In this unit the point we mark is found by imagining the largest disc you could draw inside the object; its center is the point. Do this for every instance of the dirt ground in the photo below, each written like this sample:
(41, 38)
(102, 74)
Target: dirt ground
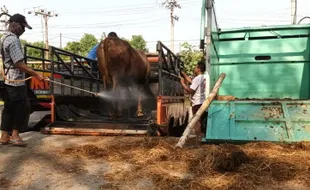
(83, 162)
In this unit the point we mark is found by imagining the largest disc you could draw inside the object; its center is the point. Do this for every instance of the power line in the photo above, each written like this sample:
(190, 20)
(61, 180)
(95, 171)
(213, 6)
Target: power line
(121, 7)
(112, 23)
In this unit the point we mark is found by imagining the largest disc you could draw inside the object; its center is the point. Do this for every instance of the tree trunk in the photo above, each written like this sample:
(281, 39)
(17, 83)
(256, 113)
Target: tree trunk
(202, 109)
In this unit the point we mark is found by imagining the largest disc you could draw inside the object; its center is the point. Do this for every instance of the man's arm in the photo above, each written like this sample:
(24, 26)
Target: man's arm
(24, 68)
(188, 89)
(17, 57)
(186, 77)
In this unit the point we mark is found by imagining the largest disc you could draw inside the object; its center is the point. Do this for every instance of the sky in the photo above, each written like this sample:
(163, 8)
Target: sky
(147, 18)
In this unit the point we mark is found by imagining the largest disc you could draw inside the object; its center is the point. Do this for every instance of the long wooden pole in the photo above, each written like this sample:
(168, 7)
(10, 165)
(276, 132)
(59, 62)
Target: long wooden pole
(202, 109)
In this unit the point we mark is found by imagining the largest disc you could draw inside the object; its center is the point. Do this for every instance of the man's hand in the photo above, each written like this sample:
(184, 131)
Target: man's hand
(186, 88)
(24, 68)
(39, 77)
(184, 75)
(182, 80)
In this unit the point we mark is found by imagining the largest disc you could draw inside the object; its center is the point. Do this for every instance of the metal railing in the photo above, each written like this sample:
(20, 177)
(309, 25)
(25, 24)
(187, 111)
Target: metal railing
(69, 65)
(170, 66)
(72, 67)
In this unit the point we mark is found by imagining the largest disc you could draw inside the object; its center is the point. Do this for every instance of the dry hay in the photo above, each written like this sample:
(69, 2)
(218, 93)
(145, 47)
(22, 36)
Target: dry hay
(4, 183)
(222, 166)
(90, 151)
(229, 159)
(299, 145)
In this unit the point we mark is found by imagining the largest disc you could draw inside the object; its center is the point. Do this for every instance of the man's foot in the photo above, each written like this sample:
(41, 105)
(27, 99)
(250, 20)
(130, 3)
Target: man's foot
(5, 138)
(3, 142)
(18, 142)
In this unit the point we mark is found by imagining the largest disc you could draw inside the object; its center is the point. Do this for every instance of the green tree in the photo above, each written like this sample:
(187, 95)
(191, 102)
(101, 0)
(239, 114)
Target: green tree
(138, 42)
(190, 56)
(82, 47)
(32, 51)
(87, 42)
(23, 42)
(73, 47)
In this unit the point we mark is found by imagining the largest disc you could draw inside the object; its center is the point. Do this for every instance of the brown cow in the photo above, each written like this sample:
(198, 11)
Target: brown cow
(122, 67)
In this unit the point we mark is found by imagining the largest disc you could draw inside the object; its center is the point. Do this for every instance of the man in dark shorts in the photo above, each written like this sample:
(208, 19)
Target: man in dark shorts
(197, 92)
(15, 115)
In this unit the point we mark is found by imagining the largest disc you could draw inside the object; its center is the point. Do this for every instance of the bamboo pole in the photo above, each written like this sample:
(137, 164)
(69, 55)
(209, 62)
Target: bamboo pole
(202, 109)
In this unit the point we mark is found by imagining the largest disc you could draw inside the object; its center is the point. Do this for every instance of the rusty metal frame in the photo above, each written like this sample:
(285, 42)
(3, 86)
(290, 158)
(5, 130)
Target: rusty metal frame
(170, 66)
(78, 128)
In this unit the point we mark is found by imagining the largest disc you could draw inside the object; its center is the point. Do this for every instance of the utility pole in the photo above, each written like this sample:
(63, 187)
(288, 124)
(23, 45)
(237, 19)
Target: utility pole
(294, 11)
(171, 5)
(45, 15)
(60, 45)
(5, 18)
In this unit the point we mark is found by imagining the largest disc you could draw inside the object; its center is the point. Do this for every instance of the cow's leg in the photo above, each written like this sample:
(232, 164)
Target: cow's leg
(120, 101)
(107, 86)
(140, 96)
(139, 110)
(129, 104)
(115, 97)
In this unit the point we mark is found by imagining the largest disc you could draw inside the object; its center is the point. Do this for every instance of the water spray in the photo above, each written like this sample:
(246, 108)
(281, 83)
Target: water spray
(103, 95)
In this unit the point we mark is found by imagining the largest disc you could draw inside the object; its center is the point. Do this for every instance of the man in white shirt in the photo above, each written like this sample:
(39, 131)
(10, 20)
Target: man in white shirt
(197, 92)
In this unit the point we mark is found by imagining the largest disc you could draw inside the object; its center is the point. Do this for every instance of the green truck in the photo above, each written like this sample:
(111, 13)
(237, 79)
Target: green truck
(267, 74)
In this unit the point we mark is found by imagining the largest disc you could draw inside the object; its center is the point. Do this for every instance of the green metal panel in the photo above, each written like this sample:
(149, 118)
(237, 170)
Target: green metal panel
(260, 63)
(266, 28)
(290, 80)
(284, 75)
(285, 121)
(271, 31)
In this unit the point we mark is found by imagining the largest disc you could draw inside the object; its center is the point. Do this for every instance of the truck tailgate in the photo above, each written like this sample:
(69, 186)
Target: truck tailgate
(276, 121)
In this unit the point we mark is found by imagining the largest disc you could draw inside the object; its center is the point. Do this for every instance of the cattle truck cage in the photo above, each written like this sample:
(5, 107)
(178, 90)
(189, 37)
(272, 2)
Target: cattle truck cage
(77, 112)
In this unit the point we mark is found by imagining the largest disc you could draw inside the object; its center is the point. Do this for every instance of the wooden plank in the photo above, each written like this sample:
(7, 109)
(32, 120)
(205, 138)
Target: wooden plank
(202, 109)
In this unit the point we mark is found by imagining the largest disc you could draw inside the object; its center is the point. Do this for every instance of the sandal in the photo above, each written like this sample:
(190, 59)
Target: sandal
(19, 143)
(5, 142)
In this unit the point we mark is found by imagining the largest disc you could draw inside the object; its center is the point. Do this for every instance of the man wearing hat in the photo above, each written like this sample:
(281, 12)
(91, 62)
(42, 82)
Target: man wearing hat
(15, 115)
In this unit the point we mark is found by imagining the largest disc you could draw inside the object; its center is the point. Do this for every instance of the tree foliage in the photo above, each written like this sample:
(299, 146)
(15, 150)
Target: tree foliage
(87, 42)
(32, 51)
(73, 47)
(23, 42)
(190, 56)
(138, 42)
(83, 46)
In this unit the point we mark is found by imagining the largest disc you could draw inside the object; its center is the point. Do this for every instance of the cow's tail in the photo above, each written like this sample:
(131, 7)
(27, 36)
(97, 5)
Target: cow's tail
(105, 54)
